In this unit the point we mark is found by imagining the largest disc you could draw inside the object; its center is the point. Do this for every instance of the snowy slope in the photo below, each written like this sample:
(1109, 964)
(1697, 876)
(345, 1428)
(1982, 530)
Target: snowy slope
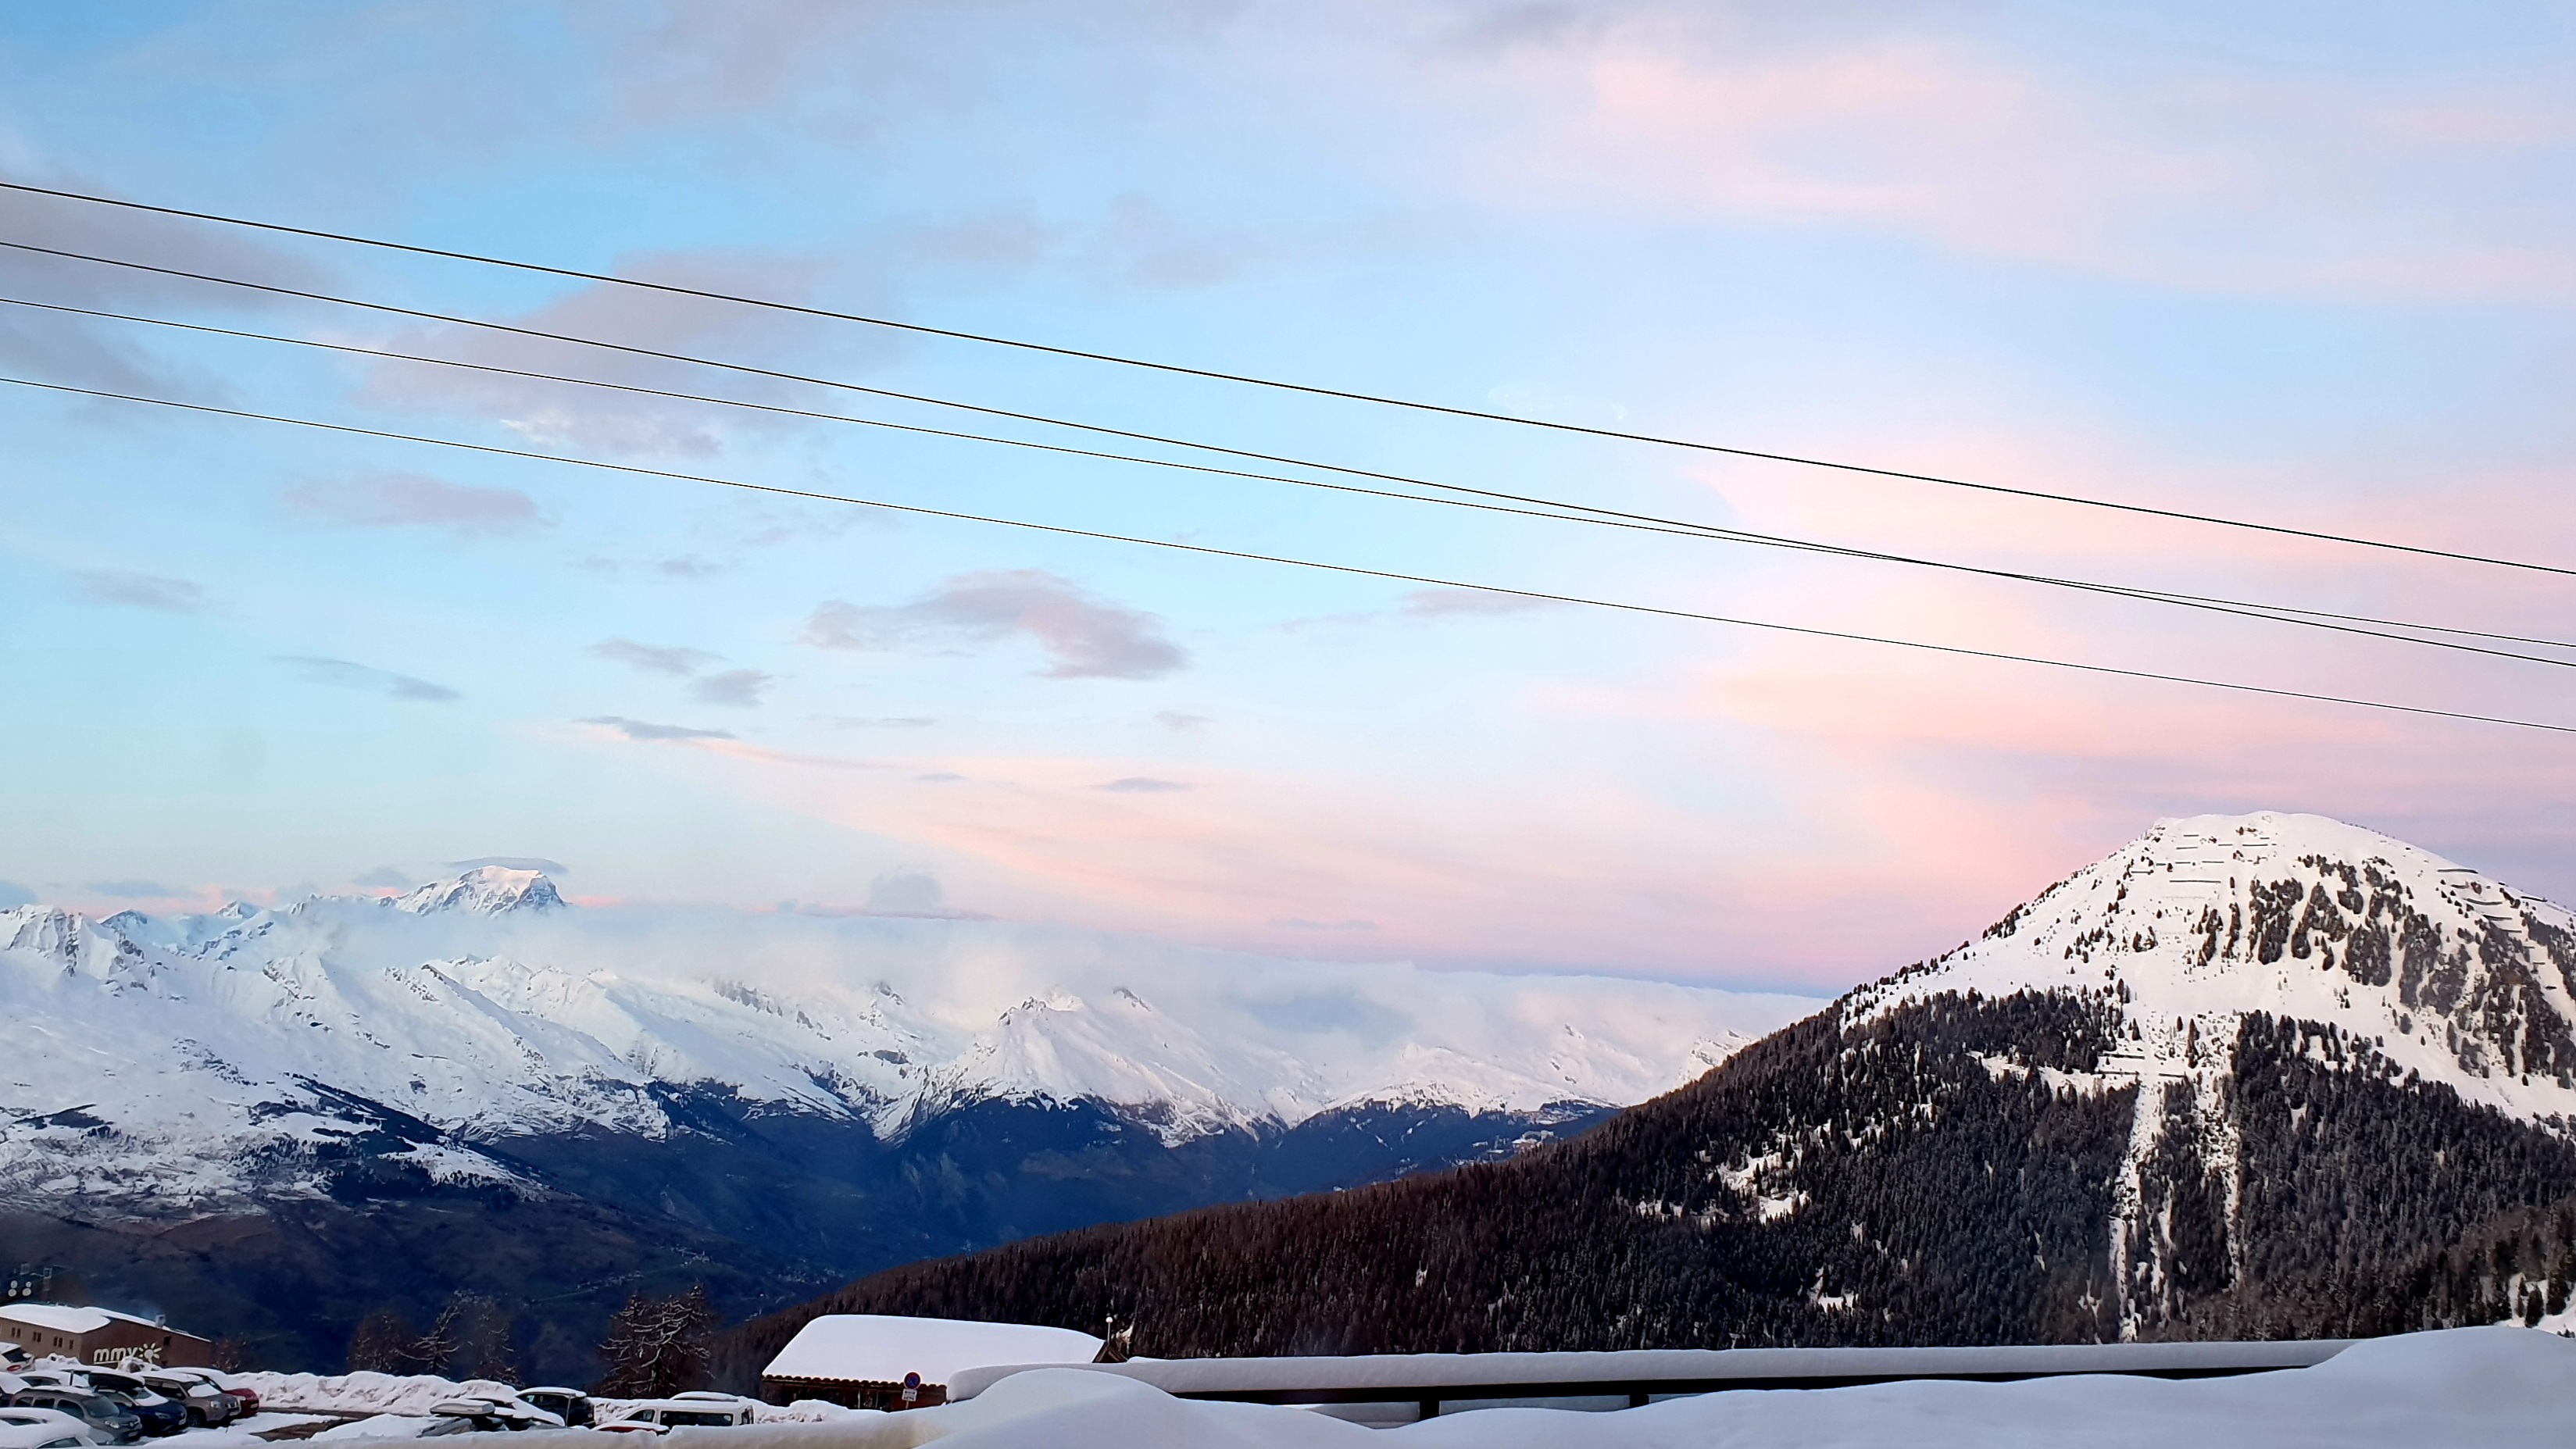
(2426, 972)
(172, 1061)
(2446, 972)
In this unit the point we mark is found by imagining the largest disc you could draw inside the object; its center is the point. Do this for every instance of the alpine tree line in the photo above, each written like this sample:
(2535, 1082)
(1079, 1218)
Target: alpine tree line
(656, 1345)
(2371, 1203)
(1910, 1179)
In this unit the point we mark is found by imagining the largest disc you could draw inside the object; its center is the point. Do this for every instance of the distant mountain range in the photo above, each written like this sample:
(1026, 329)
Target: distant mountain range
(2249, 1076)
(272, 1122)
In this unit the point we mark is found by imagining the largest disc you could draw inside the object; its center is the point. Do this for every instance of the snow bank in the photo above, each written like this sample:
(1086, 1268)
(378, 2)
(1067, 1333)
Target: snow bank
(361, 1393)
(2463, 1386)
(243, 1433)
(382, 1426)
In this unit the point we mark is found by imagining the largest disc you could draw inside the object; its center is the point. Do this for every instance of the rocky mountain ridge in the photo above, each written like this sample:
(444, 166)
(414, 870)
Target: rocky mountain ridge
(2393, 963)
(158, 1062)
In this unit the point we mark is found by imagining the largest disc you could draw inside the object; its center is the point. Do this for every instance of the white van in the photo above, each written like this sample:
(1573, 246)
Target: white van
(689, 1411)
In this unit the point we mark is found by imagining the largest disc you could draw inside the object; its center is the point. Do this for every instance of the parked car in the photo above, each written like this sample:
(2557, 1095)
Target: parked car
(243, 1401)
(570, 1405)
(158, 1415)
(54, 1419)
(692, 1410)
(487, 1415)
(46, 1436)
(206, 1406)
(246, 1399)
(114, 1421)
(161, 1415)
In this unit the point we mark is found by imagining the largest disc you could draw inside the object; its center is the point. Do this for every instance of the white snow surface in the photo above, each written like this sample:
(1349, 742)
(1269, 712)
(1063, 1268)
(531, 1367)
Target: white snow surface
(2463, 1386)
(151, 1063)
(244, 1433)
(882, 1348)
(382, 1426)
(408, 1395)
(2168, 919)
(64, 1317)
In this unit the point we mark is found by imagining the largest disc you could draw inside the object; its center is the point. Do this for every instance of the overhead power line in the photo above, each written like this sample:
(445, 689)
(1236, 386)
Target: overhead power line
(1644, 523)
(1309, 389)
(1241, 555)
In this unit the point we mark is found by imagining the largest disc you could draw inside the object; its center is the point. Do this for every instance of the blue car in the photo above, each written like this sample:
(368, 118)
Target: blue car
(160, 1415)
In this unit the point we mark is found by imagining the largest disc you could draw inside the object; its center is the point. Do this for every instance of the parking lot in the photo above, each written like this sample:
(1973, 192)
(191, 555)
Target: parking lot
(54, 1403)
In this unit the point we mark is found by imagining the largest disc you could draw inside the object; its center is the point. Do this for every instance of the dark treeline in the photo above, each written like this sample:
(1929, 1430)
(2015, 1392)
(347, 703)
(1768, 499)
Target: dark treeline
(2371, 1204)
(1920, 1165)
(1913, 1179)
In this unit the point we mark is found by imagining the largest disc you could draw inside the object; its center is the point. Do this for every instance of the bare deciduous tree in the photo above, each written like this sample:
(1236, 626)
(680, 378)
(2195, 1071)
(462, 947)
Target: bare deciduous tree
(657, 1347)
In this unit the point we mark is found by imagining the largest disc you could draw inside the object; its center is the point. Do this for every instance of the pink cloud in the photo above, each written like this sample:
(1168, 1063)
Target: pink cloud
(1765, 807)
(2203, 180)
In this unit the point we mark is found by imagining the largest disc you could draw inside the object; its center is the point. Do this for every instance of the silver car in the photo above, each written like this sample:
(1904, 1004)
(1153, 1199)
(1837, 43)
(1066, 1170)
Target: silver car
(113, 1422)
(63, 1425)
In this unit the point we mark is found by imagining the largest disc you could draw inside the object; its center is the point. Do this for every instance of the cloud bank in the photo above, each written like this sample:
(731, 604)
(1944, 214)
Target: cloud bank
(1084, 637)
(141, 591)
(411, 500)
(345, 674)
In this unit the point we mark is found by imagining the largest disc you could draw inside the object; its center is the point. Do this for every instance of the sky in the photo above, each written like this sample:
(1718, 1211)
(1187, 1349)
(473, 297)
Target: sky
(2312, 266)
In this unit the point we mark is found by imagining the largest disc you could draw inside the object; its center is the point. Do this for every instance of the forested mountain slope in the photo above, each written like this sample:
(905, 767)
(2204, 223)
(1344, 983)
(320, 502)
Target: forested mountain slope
(2248, 1074)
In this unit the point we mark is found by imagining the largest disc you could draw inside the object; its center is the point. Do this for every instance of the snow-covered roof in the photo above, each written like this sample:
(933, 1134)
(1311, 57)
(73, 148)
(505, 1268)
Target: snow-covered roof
(60, 1318)
(880, 1348)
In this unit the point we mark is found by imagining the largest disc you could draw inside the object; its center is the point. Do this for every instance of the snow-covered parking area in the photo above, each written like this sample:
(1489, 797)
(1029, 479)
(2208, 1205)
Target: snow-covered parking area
(364, 1405)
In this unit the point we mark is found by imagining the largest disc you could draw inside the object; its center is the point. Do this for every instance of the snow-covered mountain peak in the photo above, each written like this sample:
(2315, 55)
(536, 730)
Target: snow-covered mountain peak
(220, 1048)
(487, 890)
(2434, 966)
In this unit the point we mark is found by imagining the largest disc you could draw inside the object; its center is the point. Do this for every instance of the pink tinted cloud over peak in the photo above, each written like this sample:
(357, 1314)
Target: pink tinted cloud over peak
(2209, 181)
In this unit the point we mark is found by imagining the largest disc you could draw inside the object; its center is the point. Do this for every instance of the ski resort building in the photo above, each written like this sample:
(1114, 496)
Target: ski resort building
(869, 1360)
(100, 1336)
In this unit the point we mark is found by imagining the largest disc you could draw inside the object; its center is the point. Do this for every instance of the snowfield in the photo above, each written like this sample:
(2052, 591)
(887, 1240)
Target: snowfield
(2473, 1386)
(172, 1063)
